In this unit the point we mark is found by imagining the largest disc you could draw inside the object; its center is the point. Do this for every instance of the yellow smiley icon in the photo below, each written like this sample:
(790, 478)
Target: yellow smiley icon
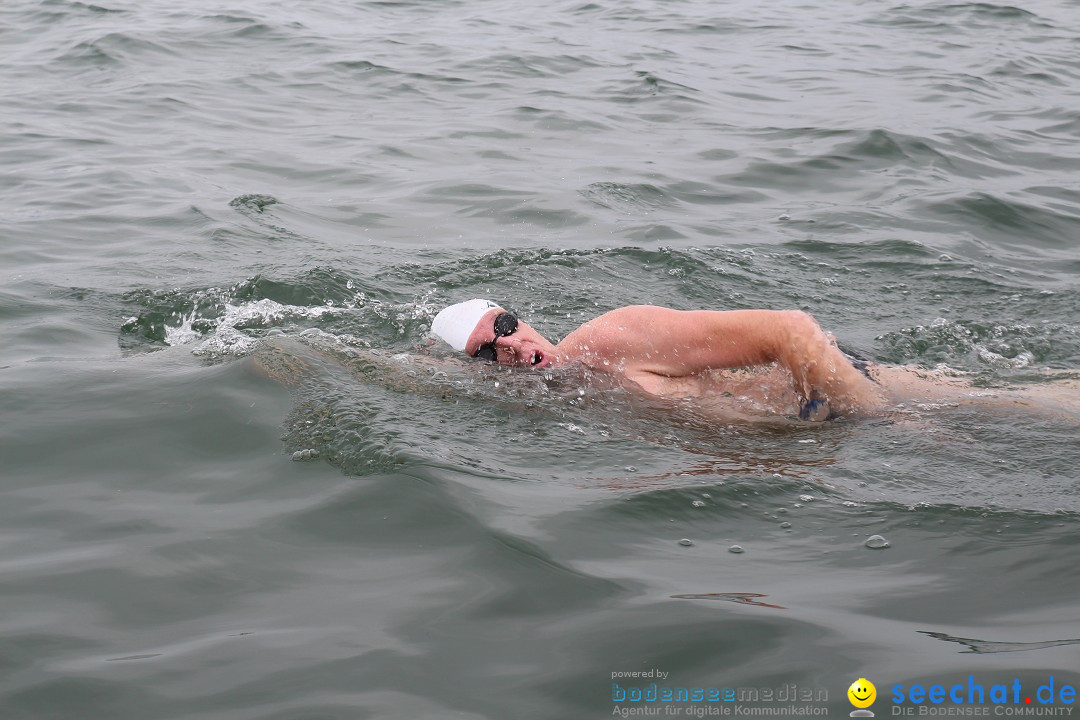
(862, 693)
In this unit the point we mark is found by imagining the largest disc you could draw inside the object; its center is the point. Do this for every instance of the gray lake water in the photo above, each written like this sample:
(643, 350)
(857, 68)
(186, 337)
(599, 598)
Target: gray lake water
(189, 532)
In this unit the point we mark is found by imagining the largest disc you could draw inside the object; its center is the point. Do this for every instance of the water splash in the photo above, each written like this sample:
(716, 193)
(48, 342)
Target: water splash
(224, 335)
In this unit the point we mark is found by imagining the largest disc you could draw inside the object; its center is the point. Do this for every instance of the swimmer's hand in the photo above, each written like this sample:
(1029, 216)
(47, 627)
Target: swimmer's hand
(816, 409)
(820, 372)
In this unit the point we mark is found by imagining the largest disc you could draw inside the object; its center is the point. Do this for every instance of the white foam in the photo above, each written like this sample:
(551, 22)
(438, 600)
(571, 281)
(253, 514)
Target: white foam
(227, 337)
(226, 341)
(182, 334)
(993, 359)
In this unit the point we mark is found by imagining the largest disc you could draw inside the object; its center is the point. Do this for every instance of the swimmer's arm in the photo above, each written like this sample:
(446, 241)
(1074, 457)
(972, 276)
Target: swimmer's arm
(293, 361)
(678, 343)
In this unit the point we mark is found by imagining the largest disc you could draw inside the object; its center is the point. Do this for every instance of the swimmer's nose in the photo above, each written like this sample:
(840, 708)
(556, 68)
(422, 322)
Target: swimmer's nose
(511, 343)
(519, 352)
(508, 348)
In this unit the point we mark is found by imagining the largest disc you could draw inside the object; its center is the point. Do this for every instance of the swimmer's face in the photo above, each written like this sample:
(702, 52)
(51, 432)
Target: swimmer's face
(523, 347)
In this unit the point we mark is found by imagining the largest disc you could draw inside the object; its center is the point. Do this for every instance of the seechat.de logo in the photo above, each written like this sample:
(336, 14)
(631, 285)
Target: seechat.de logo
(862, 695)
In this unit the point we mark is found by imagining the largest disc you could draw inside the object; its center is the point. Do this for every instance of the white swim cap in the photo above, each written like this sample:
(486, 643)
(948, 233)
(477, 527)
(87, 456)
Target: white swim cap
(455, 324)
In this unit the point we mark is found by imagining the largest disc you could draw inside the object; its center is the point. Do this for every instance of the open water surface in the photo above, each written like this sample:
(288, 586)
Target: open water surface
(236, 482)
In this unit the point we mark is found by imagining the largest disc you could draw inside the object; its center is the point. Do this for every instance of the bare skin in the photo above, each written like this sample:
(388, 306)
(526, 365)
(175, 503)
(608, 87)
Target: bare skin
(697, 354)
(763, 364)
(921, 389)
(676, 353)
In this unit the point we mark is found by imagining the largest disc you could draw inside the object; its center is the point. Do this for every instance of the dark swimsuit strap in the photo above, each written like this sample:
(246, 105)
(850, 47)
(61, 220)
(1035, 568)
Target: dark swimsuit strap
(859, 361)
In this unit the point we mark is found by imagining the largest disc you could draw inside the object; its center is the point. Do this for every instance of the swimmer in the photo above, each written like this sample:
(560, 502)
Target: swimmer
(696, 353)
(674, 353)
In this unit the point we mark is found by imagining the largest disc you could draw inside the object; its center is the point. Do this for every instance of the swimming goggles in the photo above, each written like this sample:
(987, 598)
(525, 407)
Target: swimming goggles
(505, 324)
